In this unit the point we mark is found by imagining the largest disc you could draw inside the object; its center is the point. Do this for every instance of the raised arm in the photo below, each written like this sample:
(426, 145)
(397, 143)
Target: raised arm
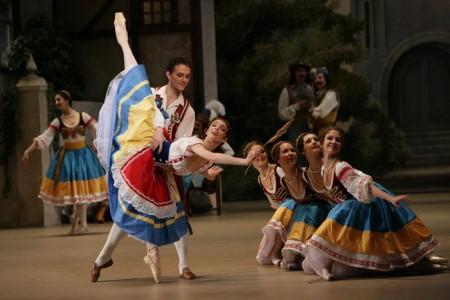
(220, 158)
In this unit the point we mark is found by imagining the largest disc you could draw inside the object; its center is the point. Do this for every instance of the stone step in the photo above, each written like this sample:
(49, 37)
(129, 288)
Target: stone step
(418, 179)
(419, 134)
(428, 149)
(428, 159)
(435, 141)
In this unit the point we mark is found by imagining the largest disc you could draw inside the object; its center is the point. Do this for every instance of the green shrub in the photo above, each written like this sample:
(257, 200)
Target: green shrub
(257, 40)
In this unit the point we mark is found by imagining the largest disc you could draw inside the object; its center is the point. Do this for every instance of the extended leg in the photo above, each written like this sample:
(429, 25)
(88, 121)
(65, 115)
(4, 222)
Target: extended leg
(122, 39)
(104, 259)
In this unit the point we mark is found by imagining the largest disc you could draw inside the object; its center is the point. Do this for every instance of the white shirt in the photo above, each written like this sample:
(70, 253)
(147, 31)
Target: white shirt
(186, 126)
(328, 104)
(179, 153)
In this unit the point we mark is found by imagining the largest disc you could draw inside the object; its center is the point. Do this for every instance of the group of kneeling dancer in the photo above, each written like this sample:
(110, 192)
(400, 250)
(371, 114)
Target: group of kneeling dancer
(331, 219)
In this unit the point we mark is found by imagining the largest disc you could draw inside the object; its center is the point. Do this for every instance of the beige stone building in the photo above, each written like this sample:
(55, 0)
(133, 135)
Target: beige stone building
(159, 30)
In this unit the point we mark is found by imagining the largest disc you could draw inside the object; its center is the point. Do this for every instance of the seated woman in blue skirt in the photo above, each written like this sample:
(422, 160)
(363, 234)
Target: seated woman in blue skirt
(369, 229)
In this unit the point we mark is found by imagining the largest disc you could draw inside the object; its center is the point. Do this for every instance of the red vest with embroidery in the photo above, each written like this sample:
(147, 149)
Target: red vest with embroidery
(175, 119)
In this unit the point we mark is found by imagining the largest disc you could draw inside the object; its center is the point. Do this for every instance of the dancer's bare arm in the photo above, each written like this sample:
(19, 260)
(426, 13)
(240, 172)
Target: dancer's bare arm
(383, 195)
(26, 154)
(220, 158)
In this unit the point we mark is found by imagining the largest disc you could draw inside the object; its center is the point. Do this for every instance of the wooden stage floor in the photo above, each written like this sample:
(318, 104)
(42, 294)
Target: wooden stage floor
(45, 263)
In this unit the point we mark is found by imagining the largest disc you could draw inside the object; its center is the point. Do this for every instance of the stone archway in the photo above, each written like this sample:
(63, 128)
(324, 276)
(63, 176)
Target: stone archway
(419, 88)
(419, 101)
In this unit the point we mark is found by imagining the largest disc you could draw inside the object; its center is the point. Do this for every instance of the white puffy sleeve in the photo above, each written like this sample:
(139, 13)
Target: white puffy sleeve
(185, 142)
(326, 106)
(356, 182)
(45, 139)
(286, 111)
(91, 123)
(227, 149)
(159, 119)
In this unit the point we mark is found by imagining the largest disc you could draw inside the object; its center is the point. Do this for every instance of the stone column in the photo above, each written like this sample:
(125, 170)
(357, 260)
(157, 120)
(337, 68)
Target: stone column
(209, 50)
(33, 119)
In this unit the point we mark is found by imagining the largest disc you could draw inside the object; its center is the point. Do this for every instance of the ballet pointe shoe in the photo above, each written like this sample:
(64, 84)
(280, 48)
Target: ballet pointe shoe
(74, 229)
(153, 261)
(120, 28)
(435, 259)
(79, 230)
(427, 267)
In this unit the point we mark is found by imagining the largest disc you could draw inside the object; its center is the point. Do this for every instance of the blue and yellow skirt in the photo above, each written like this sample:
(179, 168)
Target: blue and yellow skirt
(375, 236)
(143, 197)
(301, 221)
(74, 176)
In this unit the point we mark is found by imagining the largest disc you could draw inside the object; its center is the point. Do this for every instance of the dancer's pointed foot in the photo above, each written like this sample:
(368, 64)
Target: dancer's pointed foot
(83, 230)
(95, 271)
(73, 231)
(436, 259)
(427, 267)
(187, 274)
(78, 230)
(327, 275)
(291, 260)
(120, 28)
(153, 261)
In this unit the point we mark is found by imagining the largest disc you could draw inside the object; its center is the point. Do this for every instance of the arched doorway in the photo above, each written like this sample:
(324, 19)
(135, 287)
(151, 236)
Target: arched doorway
(419, 101)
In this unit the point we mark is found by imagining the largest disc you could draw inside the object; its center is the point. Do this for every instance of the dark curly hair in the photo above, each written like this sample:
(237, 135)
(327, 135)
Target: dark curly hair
(177, 61)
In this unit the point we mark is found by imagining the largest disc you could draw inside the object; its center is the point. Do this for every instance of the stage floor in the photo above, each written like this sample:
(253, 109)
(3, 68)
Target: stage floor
(45, 263)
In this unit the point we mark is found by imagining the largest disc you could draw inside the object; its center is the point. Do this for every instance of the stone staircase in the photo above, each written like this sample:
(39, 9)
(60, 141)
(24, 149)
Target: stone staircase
(418, 179)
(428, 169)
(428, 147)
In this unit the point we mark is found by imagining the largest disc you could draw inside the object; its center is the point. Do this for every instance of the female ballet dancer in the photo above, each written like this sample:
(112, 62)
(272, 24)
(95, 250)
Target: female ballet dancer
(369, 229)
(144, 200)
(75, 176)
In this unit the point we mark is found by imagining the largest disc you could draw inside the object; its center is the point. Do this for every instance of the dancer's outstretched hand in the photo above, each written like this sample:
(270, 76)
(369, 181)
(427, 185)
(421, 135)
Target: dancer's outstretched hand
(25, 158)
(213, 172)
(251, 156)
(396, 199)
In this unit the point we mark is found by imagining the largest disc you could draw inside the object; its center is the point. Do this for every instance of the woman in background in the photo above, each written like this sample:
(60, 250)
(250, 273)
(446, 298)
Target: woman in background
(75, 176)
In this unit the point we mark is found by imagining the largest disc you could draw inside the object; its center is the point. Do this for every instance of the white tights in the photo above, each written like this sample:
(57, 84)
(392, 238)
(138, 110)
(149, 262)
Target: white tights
(116, 235)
